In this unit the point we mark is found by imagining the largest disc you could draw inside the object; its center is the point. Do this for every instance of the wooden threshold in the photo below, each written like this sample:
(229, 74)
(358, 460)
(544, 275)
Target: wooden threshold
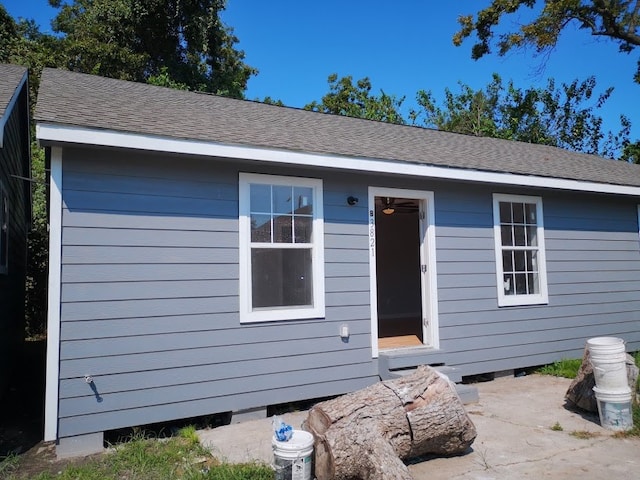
(399, 342)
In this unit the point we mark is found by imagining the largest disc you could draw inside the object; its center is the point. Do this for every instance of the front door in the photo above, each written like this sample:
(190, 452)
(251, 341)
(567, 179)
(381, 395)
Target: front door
(400, 268)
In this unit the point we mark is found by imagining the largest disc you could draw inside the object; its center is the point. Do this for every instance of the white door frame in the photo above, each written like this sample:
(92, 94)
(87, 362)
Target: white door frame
(428, 286)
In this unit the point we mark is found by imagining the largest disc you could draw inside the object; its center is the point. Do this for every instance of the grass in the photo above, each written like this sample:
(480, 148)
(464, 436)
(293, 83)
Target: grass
(180, 457)
(556, 427)
(567, 368)
(584, 434)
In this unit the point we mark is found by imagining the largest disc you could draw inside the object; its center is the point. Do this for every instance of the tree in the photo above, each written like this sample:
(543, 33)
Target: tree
(345, 98)
(618, 20)
(560, 116)
(173, 43)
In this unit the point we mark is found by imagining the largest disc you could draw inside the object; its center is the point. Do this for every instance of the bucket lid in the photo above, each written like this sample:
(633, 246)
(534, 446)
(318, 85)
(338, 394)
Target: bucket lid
(299, 440)
(605, 341)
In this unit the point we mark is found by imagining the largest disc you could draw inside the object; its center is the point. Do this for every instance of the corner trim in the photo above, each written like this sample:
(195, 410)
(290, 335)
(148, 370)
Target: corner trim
(48, 133)
(53, 306)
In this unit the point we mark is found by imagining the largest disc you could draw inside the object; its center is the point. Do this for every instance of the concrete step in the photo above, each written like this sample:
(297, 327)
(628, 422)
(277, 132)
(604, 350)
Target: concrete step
(451, 372)
(467, 393)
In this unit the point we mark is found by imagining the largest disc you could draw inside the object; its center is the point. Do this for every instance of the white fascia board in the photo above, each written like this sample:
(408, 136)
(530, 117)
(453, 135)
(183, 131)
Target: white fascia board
(54, 293)
(10, 106)
(53, 133)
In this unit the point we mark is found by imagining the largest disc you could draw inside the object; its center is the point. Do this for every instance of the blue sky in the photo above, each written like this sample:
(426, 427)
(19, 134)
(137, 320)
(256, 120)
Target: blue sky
(402, 46)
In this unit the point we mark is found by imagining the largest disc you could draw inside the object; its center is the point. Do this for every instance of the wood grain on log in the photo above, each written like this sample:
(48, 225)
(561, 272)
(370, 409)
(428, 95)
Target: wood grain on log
(366, 434)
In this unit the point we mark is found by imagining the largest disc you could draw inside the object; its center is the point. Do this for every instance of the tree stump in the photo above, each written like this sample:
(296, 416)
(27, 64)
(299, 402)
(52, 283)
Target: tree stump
(366, 434)
(580, 392)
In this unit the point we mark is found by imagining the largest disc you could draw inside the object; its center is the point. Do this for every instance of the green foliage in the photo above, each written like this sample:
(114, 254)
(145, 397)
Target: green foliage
(567, 368)
(9, 465)
(561, 116)
(171, 43)
(556, 427)
(38, 248)
(189, 433)
(345, 98)
(631, 152)
(151, 459)
(618, 20)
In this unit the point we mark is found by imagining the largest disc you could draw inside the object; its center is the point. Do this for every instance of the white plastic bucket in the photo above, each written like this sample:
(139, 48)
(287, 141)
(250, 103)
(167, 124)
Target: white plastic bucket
(608, 359)
(615, 409)
(293, 460)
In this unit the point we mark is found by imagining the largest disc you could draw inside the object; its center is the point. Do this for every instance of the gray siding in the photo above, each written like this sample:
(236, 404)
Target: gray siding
(150, 280)
(150, 297)
(14, 161)
(593, 269)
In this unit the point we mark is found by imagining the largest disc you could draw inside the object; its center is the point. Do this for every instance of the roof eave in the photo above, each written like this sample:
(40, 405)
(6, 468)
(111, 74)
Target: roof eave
(10, 106)
(51, 133)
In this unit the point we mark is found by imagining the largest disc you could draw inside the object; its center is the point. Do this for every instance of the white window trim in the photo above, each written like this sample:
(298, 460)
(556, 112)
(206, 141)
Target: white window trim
(520, 300)
(4, 223)
(247, 315)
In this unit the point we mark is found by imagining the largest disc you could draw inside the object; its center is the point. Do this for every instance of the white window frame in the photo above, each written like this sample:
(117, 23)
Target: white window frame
(317, 310)
(4, 225)
(523, 299)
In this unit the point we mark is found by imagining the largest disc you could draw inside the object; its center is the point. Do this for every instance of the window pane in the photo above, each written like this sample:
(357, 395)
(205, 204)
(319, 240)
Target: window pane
(507, 261)
(281, 277)
(303, 227)
(505, 212)
(508, 284)
(282, 199)
(505, 233)
(532, 236)
(260, 198)
(282, 229)
(260, 228)
(530, 210)
(519, 261)
(518, 213)
(518, 234)
(534, 284)
(521, 284)
(303, 200)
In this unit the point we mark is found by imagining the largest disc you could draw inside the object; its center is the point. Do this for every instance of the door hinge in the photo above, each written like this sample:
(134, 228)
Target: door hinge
(425, 322)
(421, 215)
(423, 268)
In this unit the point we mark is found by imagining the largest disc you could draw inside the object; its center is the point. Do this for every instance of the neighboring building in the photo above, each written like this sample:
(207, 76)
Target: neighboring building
(15, 214)
(211, 254)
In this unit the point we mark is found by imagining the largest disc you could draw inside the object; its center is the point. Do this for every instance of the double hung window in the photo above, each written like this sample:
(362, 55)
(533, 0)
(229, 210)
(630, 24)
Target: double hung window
(281, 248)
(520, 254)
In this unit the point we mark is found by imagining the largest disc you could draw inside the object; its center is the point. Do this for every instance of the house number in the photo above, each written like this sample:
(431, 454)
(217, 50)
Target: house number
(372, 233)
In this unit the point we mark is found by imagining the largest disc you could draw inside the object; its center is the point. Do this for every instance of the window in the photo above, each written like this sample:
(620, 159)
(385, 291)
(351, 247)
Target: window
(281, 248)
(4, 231)
(520, 255)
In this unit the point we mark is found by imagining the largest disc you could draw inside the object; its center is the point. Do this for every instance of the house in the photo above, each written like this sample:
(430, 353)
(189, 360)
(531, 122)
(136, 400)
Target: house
(15, 214)
(211, 254)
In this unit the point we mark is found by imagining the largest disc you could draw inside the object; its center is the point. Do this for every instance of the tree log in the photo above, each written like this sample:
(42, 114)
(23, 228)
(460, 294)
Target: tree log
(580, 392)
(366, 434)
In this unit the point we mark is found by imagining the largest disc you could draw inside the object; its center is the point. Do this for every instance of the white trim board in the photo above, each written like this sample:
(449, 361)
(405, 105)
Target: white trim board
(48, 133)
(427, 247)
(53, 316)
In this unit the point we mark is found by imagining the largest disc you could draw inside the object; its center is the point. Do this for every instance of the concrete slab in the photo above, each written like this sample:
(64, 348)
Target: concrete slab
(513, 418)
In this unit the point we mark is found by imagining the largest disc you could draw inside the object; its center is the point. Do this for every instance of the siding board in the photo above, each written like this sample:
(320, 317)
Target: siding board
(150, 284)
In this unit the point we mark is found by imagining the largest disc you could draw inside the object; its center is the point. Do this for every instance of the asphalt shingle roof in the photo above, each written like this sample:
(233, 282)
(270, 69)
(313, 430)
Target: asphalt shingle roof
(74, 99)
(10, 78)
